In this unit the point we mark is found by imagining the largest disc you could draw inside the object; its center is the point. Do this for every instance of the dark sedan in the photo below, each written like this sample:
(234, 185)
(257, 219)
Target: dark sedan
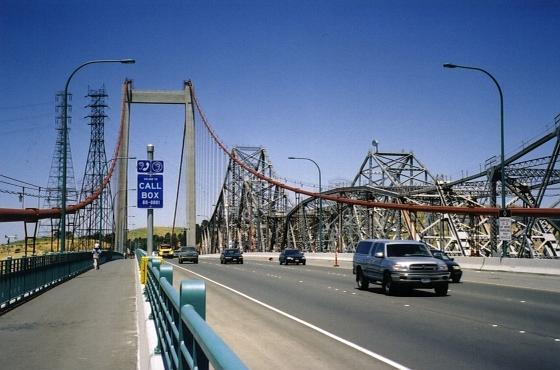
(291, 256)
(187, 253)
(231, 255)
(452, 266)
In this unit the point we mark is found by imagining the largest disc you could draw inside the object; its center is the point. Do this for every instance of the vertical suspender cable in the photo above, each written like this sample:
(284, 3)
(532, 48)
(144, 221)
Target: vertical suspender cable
(178, 184)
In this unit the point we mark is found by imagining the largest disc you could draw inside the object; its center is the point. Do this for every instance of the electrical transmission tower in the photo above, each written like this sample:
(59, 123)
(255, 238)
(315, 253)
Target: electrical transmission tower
(94, 223)
(53, 198)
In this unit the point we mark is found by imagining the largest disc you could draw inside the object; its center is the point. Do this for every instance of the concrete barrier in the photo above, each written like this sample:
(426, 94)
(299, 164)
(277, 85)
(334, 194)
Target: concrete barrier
(524, 265)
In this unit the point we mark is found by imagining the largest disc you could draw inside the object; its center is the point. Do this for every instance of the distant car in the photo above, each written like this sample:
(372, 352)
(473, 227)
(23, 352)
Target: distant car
(231, 255)
(291, 256)
(187, 253)
(165, 251)
(453, 266)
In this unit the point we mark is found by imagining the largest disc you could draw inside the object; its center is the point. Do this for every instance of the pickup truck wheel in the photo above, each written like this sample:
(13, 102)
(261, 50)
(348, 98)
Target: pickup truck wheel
(362, 281)
(388, 286)
(441, 290)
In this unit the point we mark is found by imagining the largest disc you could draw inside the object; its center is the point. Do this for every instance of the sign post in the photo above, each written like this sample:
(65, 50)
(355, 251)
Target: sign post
(505, 230)
(150, 191)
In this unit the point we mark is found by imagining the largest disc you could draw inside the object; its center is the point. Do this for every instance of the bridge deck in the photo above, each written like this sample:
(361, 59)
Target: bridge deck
(88, 322)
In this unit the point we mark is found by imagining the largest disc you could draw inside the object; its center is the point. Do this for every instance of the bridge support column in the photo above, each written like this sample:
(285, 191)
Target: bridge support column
(183, 97)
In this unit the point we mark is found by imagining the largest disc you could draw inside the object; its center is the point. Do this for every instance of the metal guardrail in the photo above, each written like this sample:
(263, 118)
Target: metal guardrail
(23, 278)
(185, 340)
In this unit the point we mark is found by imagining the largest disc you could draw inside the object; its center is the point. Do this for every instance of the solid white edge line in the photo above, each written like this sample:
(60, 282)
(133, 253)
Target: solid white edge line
(309, 325)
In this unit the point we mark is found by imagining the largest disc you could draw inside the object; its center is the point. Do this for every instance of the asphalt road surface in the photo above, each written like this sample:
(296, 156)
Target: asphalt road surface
(310, 317)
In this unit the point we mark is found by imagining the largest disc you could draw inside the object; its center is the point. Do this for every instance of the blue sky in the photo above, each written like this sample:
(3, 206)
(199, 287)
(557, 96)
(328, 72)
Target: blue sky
(319, 79)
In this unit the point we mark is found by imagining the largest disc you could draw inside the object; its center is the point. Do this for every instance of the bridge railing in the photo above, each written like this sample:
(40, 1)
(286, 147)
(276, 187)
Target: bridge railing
(185, 340)
(23, 278)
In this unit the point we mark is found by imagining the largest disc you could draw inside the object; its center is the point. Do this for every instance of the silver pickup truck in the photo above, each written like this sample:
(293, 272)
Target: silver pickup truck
(397, 265)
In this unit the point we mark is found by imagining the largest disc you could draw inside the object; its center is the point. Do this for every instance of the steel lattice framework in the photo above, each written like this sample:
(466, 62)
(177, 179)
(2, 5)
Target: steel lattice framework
(393, 195)
(53, 198)
(95, 220)
(255, 215)
(250, 212)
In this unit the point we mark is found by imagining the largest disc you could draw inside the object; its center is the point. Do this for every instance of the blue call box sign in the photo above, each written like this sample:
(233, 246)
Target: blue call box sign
(147, 166)
(150, 191)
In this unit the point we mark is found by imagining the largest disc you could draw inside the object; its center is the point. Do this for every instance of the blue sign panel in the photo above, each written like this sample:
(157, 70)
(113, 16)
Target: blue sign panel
(157, 166)
(147, 166)
(150, 191)
(143, 166)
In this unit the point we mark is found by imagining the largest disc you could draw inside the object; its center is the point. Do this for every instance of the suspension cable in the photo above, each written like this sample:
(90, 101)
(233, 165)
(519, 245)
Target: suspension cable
(489, 211)
(178, 184)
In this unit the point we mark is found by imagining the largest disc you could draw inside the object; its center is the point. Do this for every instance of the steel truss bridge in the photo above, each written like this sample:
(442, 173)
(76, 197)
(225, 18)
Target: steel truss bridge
(393, 195)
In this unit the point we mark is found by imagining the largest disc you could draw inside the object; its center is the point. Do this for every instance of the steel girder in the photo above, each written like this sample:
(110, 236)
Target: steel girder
(243, 216)
(401, 178)
(250, 212)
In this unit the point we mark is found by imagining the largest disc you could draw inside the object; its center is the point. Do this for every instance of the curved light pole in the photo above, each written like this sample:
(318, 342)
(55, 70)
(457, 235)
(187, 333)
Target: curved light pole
(320, 231)
(503, 212)
(62, 235)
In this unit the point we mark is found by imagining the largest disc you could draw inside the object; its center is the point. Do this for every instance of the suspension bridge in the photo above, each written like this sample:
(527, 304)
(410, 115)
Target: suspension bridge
(248, 205)
(318, 316)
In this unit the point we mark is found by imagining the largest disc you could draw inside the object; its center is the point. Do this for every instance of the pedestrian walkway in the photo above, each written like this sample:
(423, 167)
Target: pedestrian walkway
(88, 322)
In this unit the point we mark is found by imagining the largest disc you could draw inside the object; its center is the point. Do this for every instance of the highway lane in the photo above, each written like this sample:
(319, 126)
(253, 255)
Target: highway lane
(267, 340)
(477, 326)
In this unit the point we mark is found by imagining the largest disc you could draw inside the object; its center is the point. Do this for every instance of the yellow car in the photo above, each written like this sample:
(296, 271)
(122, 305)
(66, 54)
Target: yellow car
(165, 251)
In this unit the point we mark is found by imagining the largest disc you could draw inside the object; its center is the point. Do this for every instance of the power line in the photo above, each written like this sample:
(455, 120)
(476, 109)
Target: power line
(6, 107)
(25, 118)
(20, 181)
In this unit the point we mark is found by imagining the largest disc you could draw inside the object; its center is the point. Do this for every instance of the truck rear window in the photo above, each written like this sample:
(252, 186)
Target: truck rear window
(407, 250)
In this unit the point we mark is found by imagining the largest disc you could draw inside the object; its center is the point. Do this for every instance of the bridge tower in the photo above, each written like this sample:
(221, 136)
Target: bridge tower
(53, 198)
(94, 222)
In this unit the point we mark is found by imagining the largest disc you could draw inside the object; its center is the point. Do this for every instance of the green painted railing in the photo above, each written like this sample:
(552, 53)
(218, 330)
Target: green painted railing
(23, 278)
(185, 340)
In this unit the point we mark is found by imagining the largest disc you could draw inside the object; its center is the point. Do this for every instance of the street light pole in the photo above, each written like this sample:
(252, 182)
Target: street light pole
(502, 154)
(320, 231)
(62, 233)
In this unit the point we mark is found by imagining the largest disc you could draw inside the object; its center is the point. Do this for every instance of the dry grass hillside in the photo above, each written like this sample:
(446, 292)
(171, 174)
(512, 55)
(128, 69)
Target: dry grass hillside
(16, 249)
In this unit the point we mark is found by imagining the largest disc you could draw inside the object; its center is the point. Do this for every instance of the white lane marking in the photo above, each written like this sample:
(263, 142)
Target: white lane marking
(309, 325)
